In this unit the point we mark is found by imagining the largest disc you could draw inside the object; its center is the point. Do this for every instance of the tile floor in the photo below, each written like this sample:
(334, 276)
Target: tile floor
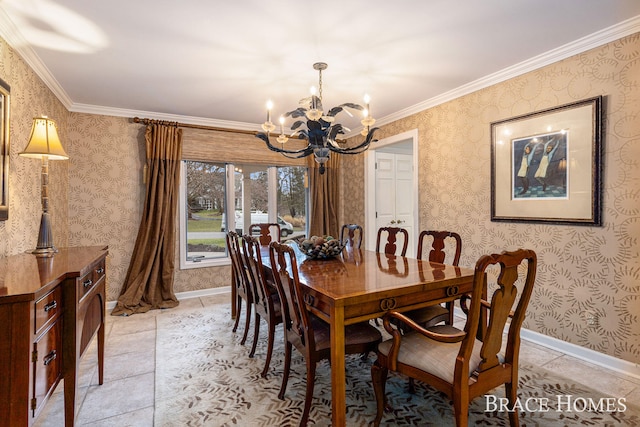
(127, 396)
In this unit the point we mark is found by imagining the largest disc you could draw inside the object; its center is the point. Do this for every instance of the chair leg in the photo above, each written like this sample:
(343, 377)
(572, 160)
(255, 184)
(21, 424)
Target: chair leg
(256, 332)
(247, 324)
(270, 339)
(461, 410)
(308, 397)
(238, 312)
(412, 386)
(379, 379)
(450, 306)
(285, 372)
(511, 391)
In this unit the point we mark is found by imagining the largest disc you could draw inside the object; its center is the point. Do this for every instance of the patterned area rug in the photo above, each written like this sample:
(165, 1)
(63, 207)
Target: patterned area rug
(204, 377)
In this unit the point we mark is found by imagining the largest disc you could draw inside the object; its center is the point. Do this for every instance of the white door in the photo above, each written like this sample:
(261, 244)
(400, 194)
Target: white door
(394, 192)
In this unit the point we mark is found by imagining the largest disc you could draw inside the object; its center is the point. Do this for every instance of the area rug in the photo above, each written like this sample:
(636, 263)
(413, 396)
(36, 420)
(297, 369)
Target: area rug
(204, 377)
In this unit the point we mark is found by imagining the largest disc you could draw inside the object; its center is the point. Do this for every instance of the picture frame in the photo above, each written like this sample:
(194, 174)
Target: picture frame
(5, 92)
(546, 166)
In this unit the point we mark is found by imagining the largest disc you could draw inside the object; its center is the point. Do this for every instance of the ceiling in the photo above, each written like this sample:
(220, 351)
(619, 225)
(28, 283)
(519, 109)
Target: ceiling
(217, 63)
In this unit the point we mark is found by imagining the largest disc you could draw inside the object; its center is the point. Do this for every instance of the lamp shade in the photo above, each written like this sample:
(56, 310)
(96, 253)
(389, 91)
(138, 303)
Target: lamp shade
(44, 141)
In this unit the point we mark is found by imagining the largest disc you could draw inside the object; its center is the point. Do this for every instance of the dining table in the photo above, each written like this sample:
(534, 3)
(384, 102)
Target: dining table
(359, 285)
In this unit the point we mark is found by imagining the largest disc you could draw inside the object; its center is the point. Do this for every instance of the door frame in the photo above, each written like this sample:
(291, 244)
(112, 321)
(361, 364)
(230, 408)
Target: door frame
(370, 190)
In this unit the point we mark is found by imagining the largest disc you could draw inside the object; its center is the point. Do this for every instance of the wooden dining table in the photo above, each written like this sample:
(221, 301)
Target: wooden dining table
(359, 285)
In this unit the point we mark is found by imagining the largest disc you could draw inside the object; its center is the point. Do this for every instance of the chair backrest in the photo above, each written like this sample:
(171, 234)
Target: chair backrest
(294, 312)
(238, 263)
(351, 234)
(390, 246)
(256, 275)
(500, 307)
(438, 244)
(267, 231)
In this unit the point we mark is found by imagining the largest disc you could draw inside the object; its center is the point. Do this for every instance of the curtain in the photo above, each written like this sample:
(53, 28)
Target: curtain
(149, 281)
(324, 191)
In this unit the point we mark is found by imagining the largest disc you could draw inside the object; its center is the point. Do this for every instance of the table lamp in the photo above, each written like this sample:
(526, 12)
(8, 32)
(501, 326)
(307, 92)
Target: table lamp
(44, 144)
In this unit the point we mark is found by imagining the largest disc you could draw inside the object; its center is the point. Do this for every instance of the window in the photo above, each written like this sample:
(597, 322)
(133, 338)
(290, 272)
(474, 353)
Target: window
(292, 201)
(255, 193)
(202, 205)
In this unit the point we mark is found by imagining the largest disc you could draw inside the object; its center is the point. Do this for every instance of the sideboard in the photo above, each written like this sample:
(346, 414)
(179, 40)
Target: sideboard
(51, 308)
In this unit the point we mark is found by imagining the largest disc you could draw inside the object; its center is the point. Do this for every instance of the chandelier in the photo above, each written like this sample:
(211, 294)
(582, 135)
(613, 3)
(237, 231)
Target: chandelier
(317, 127)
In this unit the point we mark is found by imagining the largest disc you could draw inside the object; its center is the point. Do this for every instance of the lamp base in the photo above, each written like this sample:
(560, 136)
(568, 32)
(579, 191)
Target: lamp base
(45, 245)
(44, 252)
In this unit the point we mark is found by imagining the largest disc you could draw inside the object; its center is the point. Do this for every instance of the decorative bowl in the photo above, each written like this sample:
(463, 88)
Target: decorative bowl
(321, 247)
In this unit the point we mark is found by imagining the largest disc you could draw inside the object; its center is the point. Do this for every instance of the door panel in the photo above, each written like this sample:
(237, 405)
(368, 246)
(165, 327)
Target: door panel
(404, 195)
(385, 189)
(394, 191)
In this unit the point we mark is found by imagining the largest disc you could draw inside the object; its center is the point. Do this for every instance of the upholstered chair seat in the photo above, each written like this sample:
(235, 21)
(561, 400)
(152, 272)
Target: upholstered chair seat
(434, 357)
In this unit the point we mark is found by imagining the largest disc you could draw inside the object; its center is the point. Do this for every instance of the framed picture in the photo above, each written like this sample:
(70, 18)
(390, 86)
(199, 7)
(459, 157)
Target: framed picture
(545, 166)
(4, 151)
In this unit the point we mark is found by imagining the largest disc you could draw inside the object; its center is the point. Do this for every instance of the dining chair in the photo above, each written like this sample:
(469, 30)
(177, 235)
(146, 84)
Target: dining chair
(432, 315)
(240, 281)
(266, 303)
(309, 334)
(465, 364)
(351, 234)
(391, 245)
(267, 232)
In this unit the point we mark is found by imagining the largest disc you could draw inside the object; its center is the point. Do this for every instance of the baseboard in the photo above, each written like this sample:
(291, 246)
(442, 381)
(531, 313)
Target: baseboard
(591, 356)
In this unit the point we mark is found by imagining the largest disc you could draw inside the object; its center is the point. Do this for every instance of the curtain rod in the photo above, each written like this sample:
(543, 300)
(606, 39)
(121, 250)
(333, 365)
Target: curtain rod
(202, 127)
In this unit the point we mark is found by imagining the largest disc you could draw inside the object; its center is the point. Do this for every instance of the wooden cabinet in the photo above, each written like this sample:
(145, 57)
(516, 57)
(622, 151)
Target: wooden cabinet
(50, 310)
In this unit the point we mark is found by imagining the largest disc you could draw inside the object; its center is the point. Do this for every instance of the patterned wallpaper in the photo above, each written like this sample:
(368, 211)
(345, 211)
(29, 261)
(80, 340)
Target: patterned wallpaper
(106, 198)
(581, 269)
(30, 97)
(594, 269)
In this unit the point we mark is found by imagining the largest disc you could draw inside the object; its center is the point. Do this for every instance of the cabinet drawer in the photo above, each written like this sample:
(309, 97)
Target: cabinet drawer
(99, 270)
(85, 284)
(47, 309)
(47, 365)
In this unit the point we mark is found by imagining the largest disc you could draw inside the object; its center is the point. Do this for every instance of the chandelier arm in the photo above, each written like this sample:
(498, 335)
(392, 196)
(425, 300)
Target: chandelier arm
(358, 148)
(292, 154)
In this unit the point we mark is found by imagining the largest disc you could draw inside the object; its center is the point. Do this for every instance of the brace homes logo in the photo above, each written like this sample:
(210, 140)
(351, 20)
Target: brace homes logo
(562, 403)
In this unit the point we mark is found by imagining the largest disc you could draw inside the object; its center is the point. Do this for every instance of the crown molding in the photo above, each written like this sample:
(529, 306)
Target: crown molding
(607, 35)
(16, 40)
(202, 121)
(13, 36)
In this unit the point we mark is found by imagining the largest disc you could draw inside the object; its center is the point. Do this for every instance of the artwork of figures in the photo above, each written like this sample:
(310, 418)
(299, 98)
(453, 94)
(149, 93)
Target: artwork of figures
(540, 166)
(4, 150)
(545, 165)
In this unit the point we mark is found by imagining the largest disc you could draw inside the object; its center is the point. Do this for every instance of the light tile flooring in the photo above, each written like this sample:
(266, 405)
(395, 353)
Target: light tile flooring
(127, 396)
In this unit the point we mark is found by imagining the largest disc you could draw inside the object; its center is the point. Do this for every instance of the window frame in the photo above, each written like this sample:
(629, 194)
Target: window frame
(186, 264)
(272, 173)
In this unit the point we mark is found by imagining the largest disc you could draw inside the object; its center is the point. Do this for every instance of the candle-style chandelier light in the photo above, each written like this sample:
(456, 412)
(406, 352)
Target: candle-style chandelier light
(321, 131)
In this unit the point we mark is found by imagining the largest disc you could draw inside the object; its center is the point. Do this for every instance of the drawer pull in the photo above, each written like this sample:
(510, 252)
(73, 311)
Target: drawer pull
(50, 357)
(51, 306)
(87, 283)
(388, 304)
(100, 270)
(309, 300)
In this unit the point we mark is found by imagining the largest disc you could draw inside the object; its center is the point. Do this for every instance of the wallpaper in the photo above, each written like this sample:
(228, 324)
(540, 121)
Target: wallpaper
(106, 198)
(98, 194)
(30, 98)
(581, 269)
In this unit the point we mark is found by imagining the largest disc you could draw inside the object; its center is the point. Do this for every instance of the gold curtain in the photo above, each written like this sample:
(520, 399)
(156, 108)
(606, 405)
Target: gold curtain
(149, 281)
(324, 190)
